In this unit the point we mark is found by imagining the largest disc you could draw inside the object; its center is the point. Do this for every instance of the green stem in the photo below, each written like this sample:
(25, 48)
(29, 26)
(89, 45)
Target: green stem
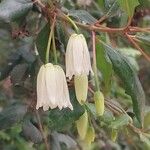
(94, 63)
(54, 49)
(49, 42)
(73, 23)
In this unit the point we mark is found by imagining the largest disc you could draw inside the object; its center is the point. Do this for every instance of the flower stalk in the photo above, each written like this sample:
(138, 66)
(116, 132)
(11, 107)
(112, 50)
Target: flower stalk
(72, 22)
(54, 49)
(49, 40)
(94, 63)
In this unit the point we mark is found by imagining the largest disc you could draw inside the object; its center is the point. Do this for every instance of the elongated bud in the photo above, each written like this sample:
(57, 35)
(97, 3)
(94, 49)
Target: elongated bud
(90, 135)
(82, 125)
(114, 134)
(99, 103)
(81, 88)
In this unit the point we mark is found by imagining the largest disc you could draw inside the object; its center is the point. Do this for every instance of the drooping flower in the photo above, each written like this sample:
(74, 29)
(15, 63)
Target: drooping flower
(77, 56)
(52, 89)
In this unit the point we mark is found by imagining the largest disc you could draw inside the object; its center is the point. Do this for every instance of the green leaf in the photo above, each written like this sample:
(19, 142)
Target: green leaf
(145, 39)
(61, 35)
(18, 74)
(147, 119)
(42, 40)
(146, 141)
(145, 3)
(105, 66)
(131, 55)
(10, 10)
(12, 61)
(112, 8)
(62, 138)
(4, 136)
(11, 115)
(120, 122)
(101, 4)
(132, 85)
(83, 16)
(61, 119)
(26, 50)
(31, 132)
(144, 42)
(128, 6)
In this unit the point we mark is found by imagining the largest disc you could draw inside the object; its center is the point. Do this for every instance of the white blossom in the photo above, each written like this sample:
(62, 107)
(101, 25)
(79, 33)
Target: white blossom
(52, 89)
(77, 56)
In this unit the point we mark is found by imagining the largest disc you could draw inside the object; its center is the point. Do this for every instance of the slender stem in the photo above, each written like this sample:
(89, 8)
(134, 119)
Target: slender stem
(50, 39)
(72, 22)
(54, 49)
(94, 62)
(42, 131)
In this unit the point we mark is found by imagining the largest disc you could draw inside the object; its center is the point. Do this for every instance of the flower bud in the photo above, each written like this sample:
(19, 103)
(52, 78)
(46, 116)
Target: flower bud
(82, 125)
(114, 134)
(99, 103)
(90, 135)
(81, 88)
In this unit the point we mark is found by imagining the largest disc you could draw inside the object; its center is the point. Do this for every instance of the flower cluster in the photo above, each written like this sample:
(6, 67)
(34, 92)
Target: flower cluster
(52, 90)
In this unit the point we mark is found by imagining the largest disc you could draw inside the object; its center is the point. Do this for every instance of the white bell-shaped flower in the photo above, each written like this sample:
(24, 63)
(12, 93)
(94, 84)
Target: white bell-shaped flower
(52, 89)
(77, 56)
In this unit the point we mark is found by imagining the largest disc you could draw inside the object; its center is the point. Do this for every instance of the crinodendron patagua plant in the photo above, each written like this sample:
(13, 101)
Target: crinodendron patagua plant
(70, 77)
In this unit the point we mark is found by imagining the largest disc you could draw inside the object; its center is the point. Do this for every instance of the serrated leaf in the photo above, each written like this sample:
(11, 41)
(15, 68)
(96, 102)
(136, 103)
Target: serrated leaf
(11, 115)
(112, 8)
(42, 40)
(132, 85)
(120, 122)
(66, 116)
(128, 6)
(10, 10)
(31, 132)
(83, 16)
(18, 73)
(105, 66)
